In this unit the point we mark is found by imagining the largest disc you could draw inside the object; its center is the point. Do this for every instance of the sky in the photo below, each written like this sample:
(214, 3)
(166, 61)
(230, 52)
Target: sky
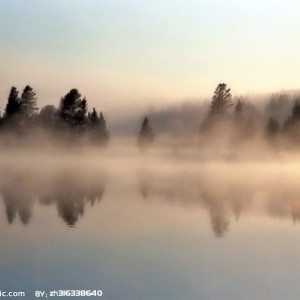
(124, 54)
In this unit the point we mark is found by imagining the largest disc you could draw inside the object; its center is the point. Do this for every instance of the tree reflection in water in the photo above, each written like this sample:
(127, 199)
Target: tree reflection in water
(223, 198)
(69, 190)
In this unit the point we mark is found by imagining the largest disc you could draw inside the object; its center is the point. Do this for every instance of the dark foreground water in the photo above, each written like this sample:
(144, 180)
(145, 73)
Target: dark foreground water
(151, 229)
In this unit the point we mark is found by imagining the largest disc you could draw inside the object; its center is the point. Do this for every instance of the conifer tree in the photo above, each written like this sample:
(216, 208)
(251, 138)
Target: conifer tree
(146, 136)
(68, 105)
(93, 118)
(98, 131)
(28, 108)
(73, 110)
(238, 110)
(221, 101)
(80, 118)
(220, 104)
(13, 103)
(103, 133)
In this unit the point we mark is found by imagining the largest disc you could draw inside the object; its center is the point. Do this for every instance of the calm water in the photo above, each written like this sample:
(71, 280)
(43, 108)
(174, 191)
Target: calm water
(151, 228)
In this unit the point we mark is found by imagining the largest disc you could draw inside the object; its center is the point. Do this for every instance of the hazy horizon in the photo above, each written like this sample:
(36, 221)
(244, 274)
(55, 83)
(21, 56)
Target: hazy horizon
(130, 53)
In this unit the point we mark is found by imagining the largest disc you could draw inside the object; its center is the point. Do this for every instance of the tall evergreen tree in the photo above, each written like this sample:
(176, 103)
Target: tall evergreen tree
(146, 136)
(238, 110)
(93, 118)
(28, 102)
(103, 133)
(221, 101)
(13, 103)
(239, 124)
(98, 131)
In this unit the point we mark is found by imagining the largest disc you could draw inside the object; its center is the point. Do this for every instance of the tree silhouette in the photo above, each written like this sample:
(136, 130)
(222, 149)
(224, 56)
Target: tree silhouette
(73, 109)
(279, 107)
(244, 123)
(291, 125)
(13, 103)
(97, 127)
(239, 124)
(104, 135)
(296, 111)
(48, 116)
(68, 105)
(28, 104)
(238, 110)
(221, 101)
(146, 136)
(80, 118)
(93, 118)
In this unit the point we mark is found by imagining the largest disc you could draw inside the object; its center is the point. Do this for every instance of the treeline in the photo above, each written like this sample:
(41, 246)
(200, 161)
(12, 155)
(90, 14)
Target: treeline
(234, 120)
(71, 121)
(241, 121)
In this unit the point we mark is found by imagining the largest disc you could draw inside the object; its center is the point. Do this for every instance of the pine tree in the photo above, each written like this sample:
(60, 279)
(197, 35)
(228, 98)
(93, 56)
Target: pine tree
(28, 102)
(13, 103)
(239, 124)
(238, 110)
(98, 131)
(146, 136)
(103, 133)
(221, 101)
(93, 118)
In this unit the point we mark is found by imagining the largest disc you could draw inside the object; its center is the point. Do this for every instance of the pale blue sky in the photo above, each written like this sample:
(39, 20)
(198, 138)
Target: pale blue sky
(120, 50)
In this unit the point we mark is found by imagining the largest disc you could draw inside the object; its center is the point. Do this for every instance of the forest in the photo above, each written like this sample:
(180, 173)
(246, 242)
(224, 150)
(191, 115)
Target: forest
(225, 122)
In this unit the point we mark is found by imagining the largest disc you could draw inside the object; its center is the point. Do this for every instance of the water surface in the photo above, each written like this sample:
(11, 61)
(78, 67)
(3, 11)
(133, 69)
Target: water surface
(150, 227)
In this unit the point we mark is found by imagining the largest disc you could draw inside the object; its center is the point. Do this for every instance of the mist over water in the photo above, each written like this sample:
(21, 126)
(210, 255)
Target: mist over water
(168, 223)
(189, 206)
(226, 185)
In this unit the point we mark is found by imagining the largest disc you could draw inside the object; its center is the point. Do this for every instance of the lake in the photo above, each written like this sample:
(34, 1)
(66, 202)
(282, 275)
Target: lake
(150, 227)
